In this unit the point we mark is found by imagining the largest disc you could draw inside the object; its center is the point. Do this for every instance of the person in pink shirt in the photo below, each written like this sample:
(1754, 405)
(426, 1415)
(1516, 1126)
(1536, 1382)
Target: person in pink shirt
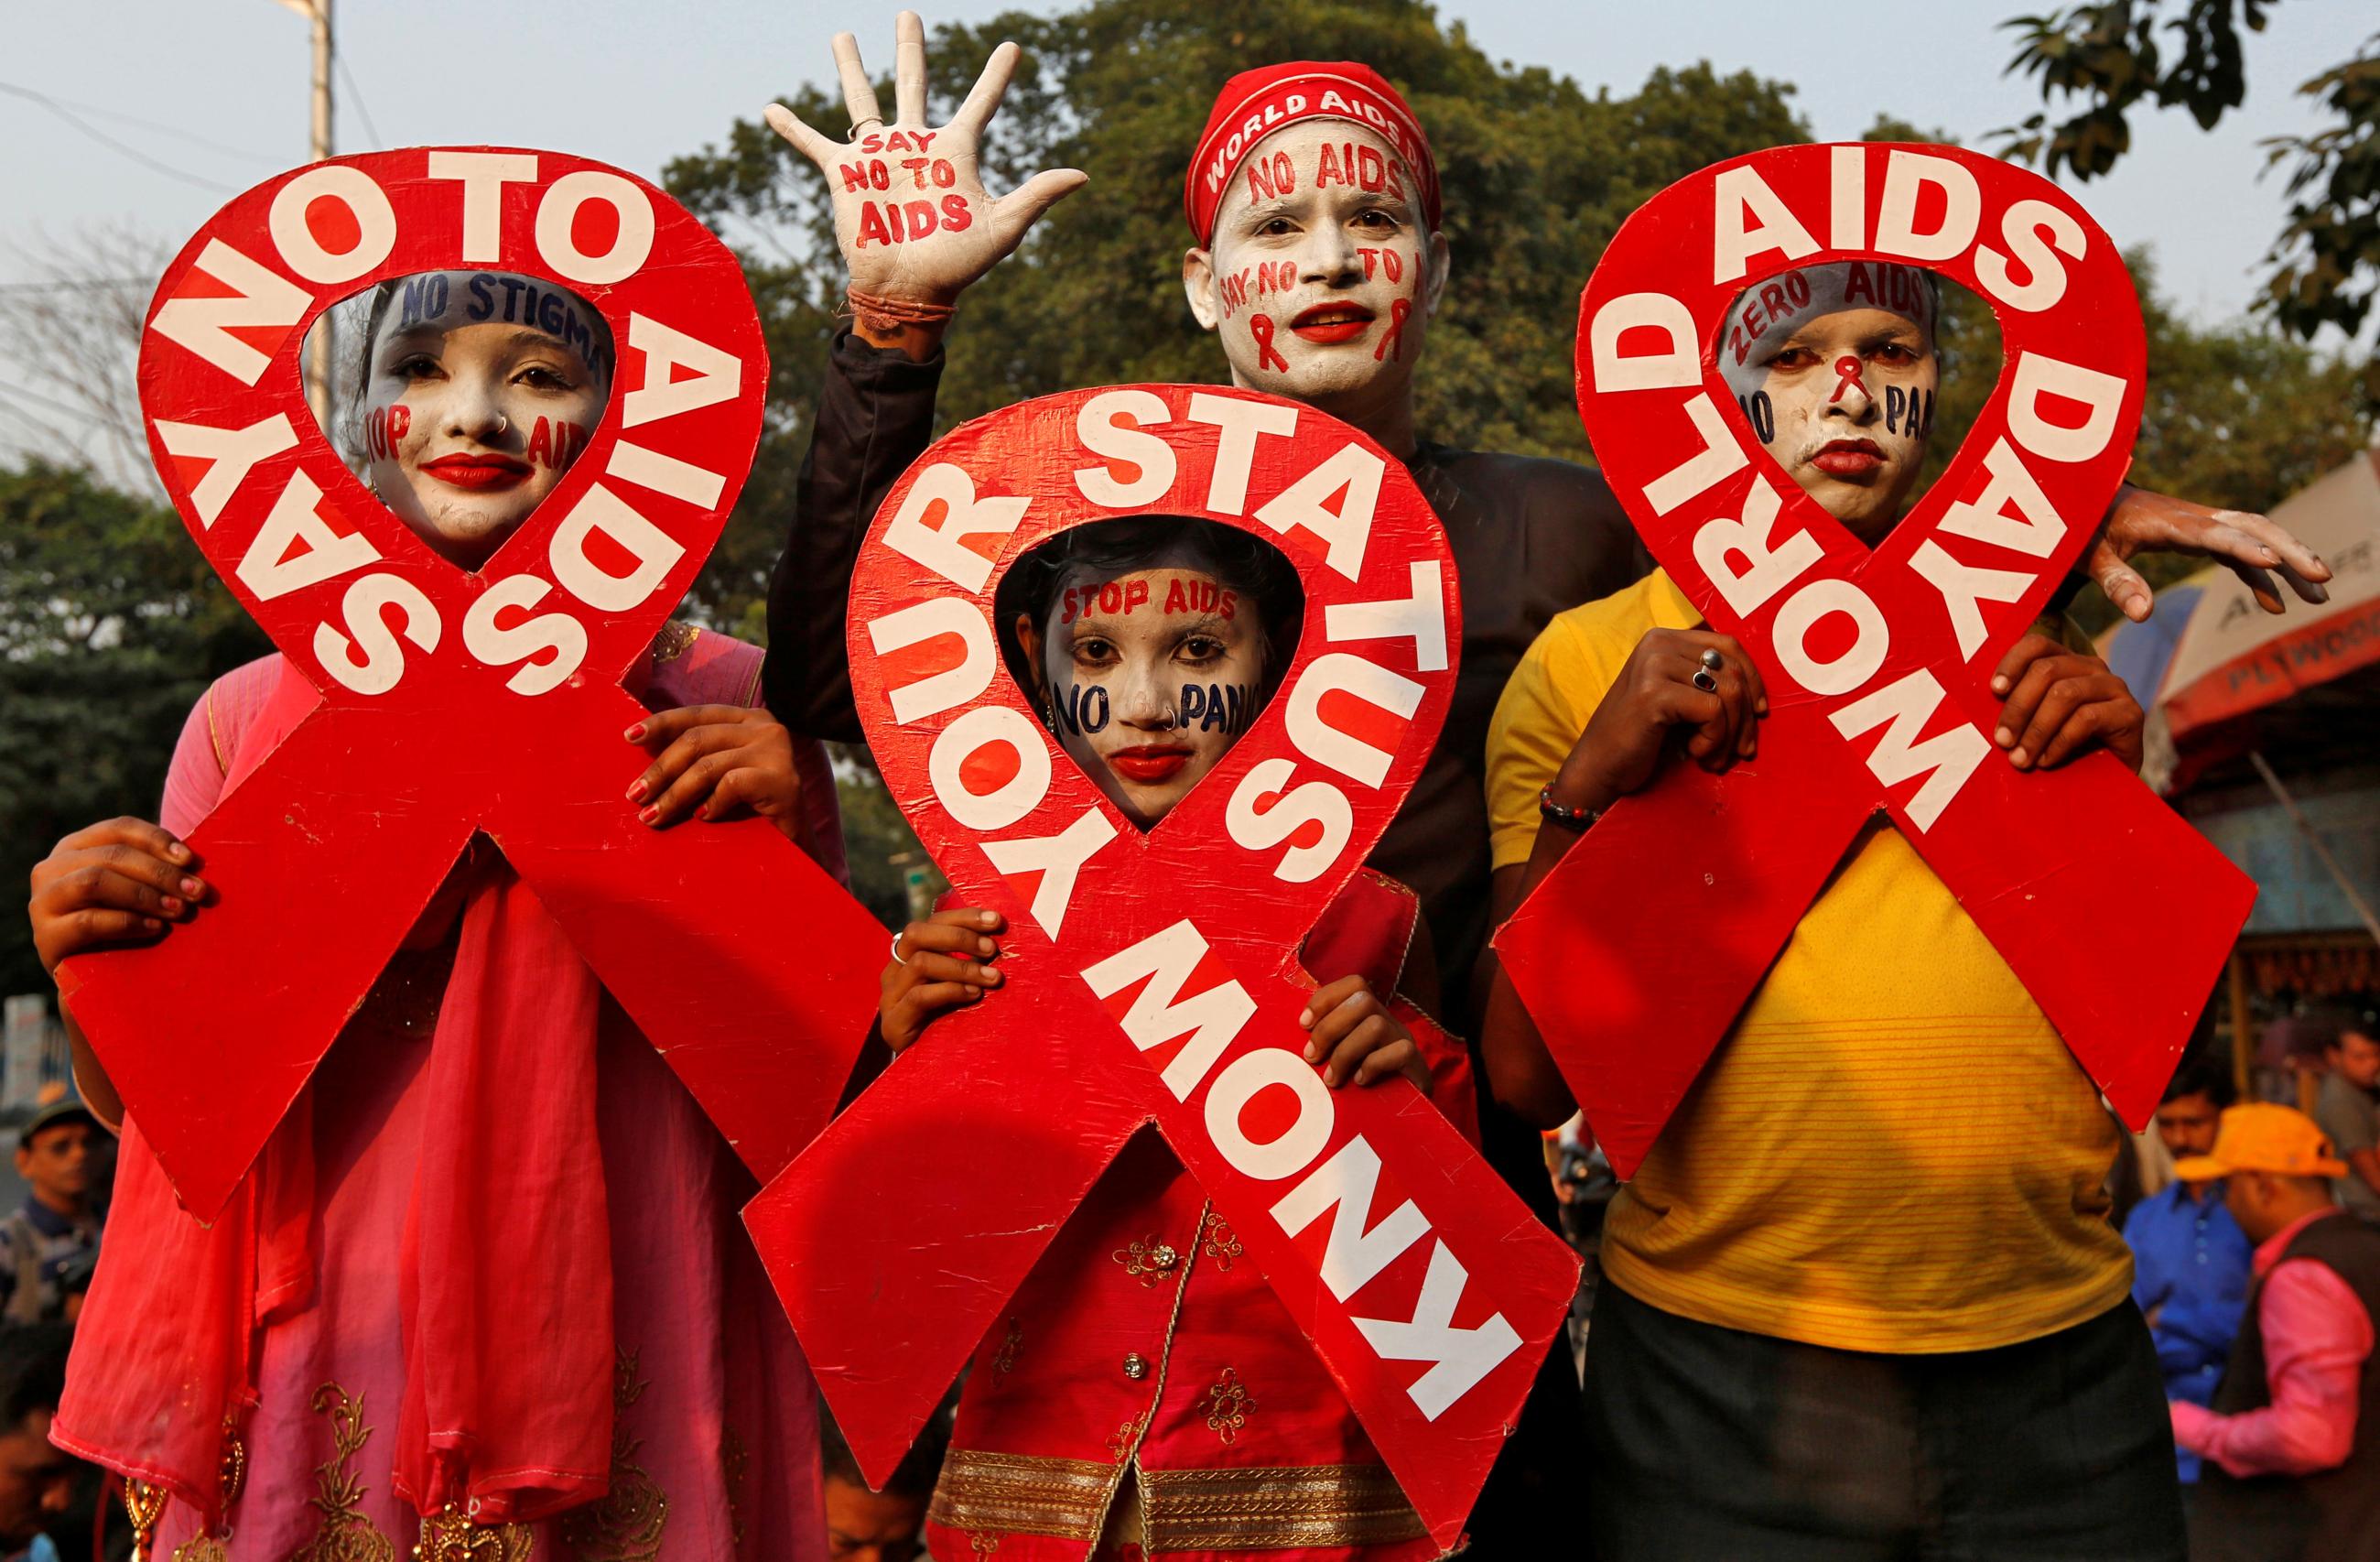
(2292, 1443)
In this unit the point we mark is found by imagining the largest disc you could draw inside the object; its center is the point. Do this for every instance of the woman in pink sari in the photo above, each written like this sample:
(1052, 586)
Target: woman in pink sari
(485, 1289)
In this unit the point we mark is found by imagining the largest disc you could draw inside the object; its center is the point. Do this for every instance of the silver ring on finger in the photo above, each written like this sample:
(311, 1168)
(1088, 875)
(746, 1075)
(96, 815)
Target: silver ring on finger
(896, 951)
(1705, 680)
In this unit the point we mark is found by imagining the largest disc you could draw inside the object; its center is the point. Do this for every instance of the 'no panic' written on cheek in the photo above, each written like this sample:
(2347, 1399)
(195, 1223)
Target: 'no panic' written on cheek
(335, 227)
(910, 209)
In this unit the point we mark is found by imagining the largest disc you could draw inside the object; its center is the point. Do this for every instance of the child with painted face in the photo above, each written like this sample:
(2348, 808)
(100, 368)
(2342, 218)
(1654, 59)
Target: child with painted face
(475, 391)
(1885, 1188)
(1149, 646)
(337, 1311)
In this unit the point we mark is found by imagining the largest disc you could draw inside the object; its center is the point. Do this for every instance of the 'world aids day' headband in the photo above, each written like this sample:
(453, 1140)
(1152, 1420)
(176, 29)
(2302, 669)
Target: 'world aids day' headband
(1154, 978)
(1254, 103)
(1877, 661)
(444, 703)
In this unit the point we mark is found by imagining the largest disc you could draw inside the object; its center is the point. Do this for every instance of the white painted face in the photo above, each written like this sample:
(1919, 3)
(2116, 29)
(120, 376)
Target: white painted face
(480, 388)
(1323, 274)
(1835, 368)
(1149, 679)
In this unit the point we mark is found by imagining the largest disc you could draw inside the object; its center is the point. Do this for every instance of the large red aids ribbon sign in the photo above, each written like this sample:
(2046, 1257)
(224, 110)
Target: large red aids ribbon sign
(1155, 978)
(1636, 954)
(452, 701)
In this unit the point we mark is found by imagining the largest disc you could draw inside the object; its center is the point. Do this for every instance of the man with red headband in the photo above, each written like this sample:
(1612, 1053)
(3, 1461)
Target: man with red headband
(1313, 195)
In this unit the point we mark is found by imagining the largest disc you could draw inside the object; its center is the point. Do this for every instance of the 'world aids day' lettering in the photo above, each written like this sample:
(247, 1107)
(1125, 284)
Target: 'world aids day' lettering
(1636, 956)
(1154, 979)
(436, 704)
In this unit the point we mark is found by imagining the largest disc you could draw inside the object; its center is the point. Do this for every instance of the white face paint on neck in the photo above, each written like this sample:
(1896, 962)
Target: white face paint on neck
(1322, 273)
(1150, 678)
(480, 388)
(1835, 368)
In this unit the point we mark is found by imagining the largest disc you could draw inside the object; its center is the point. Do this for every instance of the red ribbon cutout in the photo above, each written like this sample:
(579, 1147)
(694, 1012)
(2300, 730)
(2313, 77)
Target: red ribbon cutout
(1260, 328)
(323, 859)
(1636, 955)
(1847, 377)
(1393, 338)
(1154, 979)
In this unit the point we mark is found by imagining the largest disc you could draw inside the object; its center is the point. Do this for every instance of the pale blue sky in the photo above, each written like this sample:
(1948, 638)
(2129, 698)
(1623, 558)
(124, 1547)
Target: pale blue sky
(635, 84)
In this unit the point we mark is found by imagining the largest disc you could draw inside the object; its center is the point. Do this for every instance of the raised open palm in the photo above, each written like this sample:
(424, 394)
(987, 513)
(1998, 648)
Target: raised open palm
(911, 214)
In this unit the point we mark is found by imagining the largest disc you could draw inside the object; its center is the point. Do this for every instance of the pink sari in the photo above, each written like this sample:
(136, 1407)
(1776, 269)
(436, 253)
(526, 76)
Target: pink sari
(630, 1390)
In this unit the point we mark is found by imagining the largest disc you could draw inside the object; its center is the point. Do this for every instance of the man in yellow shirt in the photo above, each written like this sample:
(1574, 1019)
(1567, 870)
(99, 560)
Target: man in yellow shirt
(1862, 1298)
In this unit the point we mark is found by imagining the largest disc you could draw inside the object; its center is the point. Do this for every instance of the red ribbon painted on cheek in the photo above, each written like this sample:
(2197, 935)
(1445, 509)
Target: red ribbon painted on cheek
(1393, 339)
(1847, 377)
(1260, 329)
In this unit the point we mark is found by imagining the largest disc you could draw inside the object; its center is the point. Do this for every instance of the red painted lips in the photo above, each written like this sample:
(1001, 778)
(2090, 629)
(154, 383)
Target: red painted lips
(478, 470)
(1329, 323)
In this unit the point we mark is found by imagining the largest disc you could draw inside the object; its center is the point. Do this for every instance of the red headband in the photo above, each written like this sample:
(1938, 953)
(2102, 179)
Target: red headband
(1254, 103)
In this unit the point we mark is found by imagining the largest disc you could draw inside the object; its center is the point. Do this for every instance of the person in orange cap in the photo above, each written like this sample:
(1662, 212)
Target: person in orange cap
(2292, 1443)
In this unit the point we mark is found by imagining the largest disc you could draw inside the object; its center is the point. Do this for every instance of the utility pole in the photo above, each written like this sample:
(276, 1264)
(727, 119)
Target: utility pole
(318, 350)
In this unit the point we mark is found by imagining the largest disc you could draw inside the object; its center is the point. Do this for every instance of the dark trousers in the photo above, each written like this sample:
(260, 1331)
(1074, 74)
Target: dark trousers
(1710, 1445)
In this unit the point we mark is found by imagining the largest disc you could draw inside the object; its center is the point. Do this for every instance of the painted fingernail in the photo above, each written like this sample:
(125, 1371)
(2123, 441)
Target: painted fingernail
(173, 905)
(649, 815)
(193, 888)
(637, 790)
(637, 733)
(150, 924)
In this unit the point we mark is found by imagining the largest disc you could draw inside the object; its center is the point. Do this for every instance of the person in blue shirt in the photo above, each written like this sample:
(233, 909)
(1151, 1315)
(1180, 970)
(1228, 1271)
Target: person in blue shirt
(2191, 1259)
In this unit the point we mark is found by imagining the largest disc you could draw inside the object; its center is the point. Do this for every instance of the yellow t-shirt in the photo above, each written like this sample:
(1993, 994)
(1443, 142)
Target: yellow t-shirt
(1891, 1150)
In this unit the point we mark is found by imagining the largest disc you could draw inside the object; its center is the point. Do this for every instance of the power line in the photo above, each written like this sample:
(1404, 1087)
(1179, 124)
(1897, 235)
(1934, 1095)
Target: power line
(355, 94)
(162, 128)
(104, 138)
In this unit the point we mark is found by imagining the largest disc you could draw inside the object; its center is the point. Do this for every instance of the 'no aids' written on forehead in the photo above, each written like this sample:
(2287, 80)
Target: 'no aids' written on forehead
(336, 224)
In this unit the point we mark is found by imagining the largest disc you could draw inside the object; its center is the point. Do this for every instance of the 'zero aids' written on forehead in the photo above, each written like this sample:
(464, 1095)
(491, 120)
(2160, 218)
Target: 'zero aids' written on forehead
(1986, 550)
(328, 231)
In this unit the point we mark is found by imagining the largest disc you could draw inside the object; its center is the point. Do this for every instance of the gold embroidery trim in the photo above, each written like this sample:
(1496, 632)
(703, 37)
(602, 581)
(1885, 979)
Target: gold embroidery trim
(345, 1534)
(451, 1535)
(143, 1505)
(624, 1524)
(1152, 1261)
(1222, 1244)
(1265, 1507)
(1022, 1494)
(1227, 1405)
(674, 641)
(231, 1474)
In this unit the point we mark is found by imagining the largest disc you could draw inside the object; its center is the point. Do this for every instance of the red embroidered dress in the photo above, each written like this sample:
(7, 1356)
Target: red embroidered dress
(1144, 1367)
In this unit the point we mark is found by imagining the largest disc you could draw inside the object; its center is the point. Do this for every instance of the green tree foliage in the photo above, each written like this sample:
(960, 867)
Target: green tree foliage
(1538, 178)
(2113, 56)
(112, 624)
